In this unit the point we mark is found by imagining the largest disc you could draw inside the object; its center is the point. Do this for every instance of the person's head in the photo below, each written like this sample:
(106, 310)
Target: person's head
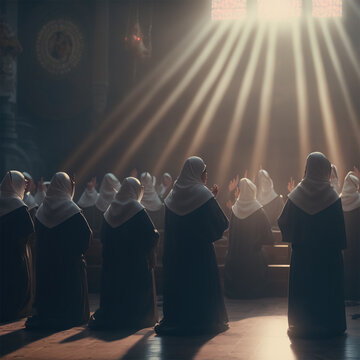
(131, 188)
(265, 182)
(318, 167)
(61, 185)
(13, 183)
(247, 190)
(146, 179)
(204, 176)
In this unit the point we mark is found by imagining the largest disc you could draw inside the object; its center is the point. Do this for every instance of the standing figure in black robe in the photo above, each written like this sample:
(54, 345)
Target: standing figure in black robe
(350, 199)
(62, 235)
(313, 222)
(272, 202)
(246, 264)
(193, 299)
(151, 200)
(16, 227)
(127, 298)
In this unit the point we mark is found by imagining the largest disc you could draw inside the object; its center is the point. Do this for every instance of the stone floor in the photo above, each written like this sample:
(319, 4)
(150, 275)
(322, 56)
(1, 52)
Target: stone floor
(257, 332)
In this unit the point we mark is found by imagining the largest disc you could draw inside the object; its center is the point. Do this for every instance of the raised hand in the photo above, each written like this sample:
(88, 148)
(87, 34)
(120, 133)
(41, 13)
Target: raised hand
(214, 189)
(233, 183)
(291, 185)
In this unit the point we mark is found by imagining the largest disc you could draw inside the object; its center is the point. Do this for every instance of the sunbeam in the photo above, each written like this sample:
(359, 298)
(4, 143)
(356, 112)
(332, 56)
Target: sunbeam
(348, 47)
(341, 79)
(240, 106)
(218, 95)
(172, 98)
(157, 78)
(263, 123)
(327, 112)
(301, 94)
(199, 98)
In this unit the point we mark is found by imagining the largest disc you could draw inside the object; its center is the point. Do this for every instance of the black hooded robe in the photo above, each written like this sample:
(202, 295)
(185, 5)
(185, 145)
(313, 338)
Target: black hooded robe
(128, 297)
(61, 281)
(246, 264)
(193, 298)
(16, 270)
(316, 285)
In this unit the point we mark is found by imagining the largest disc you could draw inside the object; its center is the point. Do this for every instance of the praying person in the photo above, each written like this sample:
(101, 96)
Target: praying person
(16, 228)
(165, 186)
(272, 202)
(87, 203)
(151, 201)
(334, 179)
(350, 199)
(246, 265)
(127, 297)
(313, 222)
(29, 199)
(109, 186)
(63, 236)
(193, 299)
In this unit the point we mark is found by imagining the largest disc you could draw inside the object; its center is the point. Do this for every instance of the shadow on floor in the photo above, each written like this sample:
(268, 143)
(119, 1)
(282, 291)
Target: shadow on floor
(17, 339)
(101, 335)
(167, 347)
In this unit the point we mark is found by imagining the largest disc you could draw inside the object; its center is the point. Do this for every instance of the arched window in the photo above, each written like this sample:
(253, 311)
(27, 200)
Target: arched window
(326, 8)
(274, 9)
(228, 9)
(279, 9)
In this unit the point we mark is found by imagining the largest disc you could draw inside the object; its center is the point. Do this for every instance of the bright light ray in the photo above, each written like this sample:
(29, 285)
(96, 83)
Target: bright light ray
(279, 9)
(326, 8)
(301, 93)
(136, 110)
(159, 76)
(327, 113)
(348, 47)
(199, 97)
(173, 97)
(241, 102)
(341, 78)
(218, 95)
(262, 132)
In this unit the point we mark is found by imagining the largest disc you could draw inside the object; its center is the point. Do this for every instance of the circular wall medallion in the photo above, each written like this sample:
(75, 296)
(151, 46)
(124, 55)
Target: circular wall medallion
(59, 46)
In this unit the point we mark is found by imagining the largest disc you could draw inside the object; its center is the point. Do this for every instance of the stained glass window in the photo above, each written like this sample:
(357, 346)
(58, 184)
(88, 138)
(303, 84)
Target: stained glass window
(327, 8)
(279, 9)
(228, 9)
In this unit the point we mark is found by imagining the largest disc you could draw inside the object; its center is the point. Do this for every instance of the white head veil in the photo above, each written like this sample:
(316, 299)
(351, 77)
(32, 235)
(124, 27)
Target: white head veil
(110, 185)
(334, 178)
(246, 204)
(12, 190)
(150, 199)
(126, 203)
(314, 193)
(162, 189)
(189, 192)
(29, 199)
(266, 192)
(88, 198)
(58, 206)
(350, 197)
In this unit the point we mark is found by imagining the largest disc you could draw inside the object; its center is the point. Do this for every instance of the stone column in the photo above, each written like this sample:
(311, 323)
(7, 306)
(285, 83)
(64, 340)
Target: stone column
(11, 155)
(100, 83)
